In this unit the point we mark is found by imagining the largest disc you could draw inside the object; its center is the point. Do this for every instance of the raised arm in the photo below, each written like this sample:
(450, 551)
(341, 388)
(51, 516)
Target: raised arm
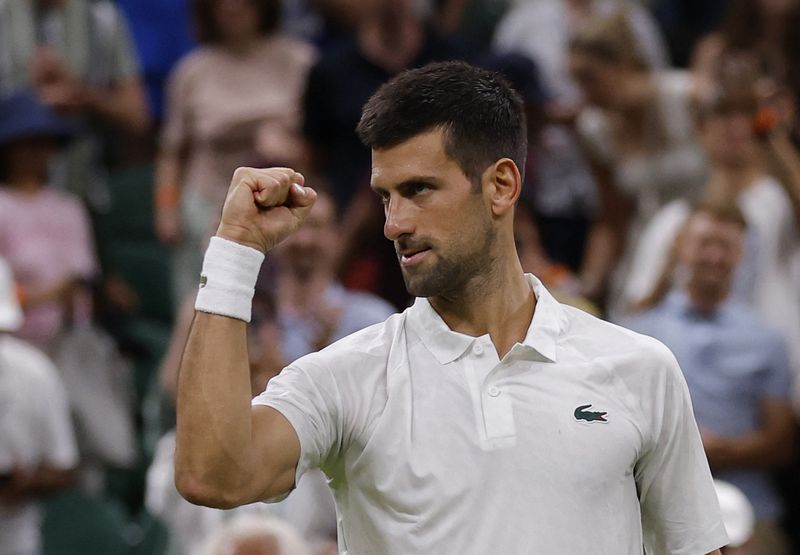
(227, 453)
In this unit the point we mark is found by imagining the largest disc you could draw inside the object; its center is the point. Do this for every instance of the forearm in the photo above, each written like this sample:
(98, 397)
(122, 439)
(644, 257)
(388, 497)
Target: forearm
(601, 249)
(123, 105)
(168, 179)
(785, 162)
(756, 451)
(215, 462)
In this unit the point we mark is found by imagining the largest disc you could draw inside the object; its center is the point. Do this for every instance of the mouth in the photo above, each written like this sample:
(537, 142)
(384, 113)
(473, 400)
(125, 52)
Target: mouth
(412, 257)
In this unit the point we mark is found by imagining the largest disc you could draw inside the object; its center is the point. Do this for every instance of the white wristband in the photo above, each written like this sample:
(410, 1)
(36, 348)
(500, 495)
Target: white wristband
(228, 279)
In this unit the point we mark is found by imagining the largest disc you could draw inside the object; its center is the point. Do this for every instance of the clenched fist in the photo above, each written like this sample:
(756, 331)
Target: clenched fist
(264, 206)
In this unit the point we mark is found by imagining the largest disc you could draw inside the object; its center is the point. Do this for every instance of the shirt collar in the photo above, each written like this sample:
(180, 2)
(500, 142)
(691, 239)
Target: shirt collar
(677, 302)
(448, 345)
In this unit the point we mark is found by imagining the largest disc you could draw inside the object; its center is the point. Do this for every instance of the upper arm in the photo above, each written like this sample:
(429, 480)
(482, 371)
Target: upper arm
(680, 510)
(298, 424)
(278, 448)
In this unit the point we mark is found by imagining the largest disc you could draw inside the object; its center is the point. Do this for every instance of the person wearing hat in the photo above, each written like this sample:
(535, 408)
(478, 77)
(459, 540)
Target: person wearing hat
(44, 233)
(37, 446)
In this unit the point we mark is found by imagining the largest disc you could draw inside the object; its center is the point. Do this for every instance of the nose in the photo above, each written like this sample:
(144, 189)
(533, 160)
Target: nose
(398, 219)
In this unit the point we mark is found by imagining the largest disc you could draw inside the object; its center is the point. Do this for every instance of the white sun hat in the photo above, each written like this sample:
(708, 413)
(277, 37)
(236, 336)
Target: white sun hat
(737, 513)
(10, 311)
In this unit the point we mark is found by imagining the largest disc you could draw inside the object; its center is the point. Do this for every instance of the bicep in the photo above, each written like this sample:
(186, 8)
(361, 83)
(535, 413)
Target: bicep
(277, 449)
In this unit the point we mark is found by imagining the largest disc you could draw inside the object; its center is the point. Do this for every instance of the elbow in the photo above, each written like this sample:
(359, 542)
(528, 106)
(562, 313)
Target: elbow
(201, 492)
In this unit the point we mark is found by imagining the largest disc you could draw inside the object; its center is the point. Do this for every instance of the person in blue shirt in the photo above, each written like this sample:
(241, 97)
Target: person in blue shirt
(736, 367)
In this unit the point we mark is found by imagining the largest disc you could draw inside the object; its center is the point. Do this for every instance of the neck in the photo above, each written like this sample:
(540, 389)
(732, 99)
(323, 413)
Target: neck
(27, 183)
(300, 290)
(500, 303)
(727, 181)
(706, 299)
(637, 95)
(240, 45)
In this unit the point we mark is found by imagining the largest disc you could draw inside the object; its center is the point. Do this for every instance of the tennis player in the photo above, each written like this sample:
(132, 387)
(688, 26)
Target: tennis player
(487, 418)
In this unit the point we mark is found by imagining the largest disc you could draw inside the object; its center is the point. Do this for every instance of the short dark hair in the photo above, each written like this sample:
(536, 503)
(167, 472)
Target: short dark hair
(205, 23)
(482, 116)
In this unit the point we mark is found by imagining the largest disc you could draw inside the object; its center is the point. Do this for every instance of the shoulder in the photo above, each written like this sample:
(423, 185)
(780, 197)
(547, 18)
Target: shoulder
(599, 337)
(193, 63)
(294, 50)
(640, 361)
(366, 348)
(676, 83)
(753, 328)
(32, 365)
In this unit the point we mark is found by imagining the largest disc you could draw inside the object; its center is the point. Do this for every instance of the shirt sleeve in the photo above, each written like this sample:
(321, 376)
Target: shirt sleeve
(116, 37)
(56, 424)
(307, 395)
(82, 261)
(679, 506)
(176, 131)
(776, 381)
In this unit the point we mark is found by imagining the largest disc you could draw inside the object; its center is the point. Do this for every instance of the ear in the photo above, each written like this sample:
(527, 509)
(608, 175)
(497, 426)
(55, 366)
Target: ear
(502, 185)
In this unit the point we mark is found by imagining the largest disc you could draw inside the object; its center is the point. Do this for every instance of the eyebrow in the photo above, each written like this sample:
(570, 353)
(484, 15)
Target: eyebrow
(406, 183)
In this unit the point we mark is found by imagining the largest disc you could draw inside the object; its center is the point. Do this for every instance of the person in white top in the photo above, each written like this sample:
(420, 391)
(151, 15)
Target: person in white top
(38, 454)
(486, 418)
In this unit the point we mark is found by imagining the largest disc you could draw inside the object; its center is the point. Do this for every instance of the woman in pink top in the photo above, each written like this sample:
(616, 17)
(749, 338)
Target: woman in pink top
(44, 234)
(235, 101)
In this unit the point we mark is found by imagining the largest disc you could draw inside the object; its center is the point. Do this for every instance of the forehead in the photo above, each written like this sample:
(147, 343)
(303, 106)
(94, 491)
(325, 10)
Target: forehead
(421, 157)
(706, 225)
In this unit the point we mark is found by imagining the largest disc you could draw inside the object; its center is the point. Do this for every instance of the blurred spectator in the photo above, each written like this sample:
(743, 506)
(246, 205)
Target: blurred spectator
(757, 42)
(639, 135)
(232, 102)
(44, 233)
(250, 535)
(684, 22)
(564, 192)
(473, 21)
(37, 448)
(78, 56)
(314, 310)
(309, 508)
(736, 367)
(390, 36)
(162, 34)
(737, 515)
(558, 278)
(738, 174)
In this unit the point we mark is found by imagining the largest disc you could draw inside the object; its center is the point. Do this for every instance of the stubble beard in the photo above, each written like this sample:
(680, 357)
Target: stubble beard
(450, 275)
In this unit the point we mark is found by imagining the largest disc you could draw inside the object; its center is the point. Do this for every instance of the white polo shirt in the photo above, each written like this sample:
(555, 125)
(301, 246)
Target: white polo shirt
(580, 440)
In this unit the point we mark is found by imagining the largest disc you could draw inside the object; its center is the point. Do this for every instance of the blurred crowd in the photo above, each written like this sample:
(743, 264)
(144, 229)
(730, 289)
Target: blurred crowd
(662, 192)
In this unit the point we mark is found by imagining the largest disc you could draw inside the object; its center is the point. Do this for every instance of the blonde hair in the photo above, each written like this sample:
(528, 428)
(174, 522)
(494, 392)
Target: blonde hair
(611, 40)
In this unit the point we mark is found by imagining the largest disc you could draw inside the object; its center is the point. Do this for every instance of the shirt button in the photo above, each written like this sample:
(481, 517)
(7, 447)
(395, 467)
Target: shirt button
(494, 391)
(477, 349)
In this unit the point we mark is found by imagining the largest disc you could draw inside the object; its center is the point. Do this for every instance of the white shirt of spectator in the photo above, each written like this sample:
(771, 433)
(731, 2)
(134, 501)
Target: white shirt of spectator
(434, 445)
(35, 429)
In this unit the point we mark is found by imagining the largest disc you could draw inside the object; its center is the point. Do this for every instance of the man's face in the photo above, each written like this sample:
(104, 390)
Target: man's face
(311, 246)
(711, 250)
(437, 218)
(729, 137)
(598, 79)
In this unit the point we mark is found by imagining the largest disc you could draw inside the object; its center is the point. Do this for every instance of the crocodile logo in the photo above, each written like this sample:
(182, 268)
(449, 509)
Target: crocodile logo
(589, 416)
